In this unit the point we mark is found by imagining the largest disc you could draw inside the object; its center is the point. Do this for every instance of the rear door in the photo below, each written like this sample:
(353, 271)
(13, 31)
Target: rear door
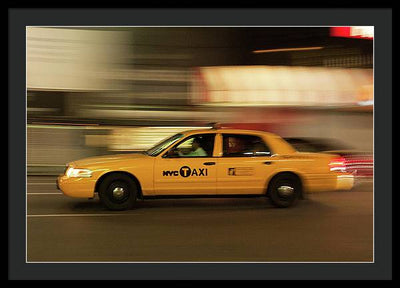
(244, 165)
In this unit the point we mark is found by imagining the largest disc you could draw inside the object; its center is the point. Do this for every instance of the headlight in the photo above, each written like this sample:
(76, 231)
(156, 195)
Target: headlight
(78, 173)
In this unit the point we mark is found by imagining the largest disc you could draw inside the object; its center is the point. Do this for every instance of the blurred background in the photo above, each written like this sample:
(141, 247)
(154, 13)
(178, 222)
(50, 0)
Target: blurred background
(104, 90)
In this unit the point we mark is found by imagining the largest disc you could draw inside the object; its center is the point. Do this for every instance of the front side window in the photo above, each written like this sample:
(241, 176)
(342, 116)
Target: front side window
(235, 145)
(194, 146)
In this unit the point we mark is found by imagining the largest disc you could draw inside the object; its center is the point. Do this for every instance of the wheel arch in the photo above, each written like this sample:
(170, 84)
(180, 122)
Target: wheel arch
(130, 175)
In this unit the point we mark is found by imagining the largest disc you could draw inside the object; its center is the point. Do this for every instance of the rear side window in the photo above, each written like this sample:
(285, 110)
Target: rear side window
(237, 145)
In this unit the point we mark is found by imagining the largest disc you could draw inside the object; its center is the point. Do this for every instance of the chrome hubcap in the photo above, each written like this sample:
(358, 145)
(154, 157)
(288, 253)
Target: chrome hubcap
(285, 190)
(118, 192)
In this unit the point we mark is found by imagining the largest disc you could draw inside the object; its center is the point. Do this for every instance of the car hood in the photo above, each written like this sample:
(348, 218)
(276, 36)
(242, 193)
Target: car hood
(107, 159)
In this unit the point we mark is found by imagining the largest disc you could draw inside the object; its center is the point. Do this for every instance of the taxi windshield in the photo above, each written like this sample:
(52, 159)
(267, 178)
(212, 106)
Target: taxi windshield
(161, 146)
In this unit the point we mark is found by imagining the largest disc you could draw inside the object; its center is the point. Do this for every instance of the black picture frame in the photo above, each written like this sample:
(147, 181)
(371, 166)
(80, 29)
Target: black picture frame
(380, 18)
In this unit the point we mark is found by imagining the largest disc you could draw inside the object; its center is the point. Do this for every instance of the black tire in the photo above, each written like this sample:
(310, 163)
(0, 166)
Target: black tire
(118, 192)
(284, 190)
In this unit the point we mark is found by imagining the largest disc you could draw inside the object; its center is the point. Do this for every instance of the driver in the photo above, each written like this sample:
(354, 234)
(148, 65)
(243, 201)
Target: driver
(197, 150)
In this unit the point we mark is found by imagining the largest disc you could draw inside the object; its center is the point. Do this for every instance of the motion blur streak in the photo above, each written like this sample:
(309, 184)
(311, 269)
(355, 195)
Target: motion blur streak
(103, 90)
(288, 49)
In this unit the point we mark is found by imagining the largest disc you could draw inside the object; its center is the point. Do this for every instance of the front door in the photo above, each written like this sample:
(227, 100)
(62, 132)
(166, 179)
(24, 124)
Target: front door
(188, 168)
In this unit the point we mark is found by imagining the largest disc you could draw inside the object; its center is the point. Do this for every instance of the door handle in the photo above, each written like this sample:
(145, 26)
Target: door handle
(209, 163)
(267, 162)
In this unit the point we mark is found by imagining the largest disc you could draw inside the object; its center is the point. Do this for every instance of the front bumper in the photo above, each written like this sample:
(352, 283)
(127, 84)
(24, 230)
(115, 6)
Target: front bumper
(76, 187)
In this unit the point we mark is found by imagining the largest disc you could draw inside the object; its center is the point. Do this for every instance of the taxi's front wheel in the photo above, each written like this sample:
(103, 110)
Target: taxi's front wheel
(118, 192)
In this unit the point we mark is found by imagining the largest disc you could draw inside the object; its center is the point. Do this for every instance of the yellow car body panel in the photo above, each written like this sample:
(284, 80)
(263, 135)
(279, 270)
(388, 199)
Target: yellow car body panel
(159, 175)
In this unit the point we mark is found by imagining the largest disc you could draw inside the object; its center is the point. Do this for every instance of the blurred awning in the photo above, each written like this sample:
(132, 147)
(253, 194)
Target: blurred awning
(281, 86)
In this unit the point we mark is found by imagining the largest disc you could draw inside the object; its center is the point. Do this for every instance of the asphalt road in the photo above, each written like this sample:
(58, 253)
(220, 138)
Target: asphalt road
(327, 227)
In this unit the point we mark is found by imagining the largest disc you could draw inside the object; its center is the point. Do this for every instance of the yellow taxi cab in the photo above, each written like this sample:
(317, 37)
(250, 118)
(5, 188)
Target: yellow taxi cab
(208, 162)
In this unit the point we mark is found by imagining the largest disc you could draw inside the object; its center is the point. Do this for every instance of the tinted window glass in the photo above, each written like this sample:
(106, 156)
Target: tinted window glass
(244, 146)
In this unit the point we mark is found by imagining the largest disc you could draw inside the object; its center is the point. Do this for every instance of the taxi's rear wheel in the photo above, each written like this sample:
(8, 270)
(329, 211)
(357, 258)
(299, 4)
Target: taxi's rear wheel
(118, 192)
(284, 190)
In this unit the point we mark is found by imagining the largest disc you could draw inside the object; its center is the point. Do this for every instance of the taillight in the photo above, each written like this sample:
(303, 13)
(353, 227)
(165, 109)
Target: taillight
(338, 164)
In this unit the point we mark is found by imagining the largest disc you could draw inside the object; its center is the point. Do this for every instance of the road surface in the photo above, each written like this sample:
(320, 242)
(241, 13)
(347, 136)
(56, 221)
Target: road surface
(327, 227)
